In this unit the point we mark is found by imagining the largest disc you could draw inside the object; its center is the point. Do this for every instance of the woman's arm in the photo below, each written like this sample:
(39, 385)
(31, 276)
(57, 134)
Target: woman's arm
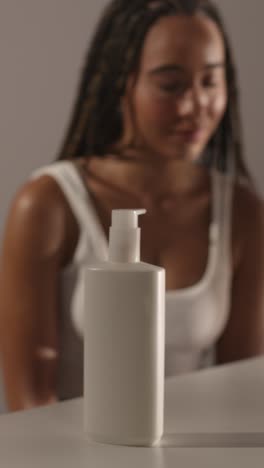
(244, 333)
(32, 255)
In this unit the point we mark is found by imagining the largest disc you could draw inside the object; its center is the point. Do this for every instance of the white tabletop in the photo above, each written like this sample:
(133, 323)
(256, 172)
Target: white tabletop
(213, 418)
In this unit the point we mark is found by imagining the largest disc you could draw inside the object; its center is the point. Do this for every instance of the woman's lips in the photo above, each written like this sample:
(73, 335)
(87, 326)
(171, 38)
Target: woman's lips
(189, 136)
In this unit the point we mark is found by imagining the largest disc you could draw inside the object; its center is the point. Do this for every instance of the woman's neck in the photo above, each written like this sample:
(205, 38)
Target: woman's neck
(142, 178)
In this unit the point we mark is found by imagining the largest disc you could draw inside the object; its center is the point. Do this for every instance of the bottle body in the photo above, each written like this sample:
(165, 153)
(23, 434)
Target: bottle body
(124, 353)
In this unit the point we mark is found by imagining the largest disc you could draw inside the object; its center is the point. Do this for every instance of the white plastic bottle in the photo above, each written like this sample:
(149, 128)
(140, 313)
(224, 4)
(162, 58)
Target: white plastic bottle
(124, 341)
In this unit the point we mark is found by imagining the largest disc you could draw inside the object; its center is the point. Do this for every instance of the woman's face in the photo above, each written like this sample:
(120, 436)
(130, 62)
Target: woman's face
(179, 95)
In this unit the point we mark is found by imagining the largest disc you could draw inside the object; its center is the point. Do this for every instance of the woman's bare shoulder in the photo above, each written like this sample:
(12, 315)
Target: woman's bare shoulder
(38, 192)
(248, 217)
(248, 204)
(40, 217)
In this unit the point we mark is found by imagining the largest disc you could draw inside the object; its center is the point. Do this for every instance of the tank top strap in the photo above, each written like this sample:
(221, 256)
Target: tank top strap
(71, 184)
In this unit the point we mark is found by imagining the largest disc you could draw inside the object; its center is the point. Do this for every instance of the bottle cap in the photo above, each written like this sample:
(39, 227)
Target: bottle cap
(124, 239)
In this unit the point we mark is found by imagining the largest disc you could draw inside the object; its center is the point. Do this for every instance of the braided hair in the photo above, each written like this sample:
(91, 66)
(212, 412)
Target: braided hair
(114, 53)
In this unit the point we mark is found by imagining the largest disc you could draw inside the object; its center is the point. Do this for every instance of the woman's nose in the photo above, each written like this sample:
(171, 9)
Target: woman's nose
(192, 102)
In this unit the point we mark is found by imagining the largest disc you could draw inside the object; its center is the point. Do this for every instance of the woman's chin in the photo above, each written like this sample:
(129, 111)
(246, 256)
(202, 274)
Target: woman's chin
(190, 154)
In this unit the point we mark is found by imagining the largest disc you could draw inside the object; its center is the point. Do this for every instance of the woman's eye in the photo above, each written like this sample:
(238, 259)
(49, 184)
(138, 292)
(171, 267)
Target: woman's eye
(172, 87)
(210, 82)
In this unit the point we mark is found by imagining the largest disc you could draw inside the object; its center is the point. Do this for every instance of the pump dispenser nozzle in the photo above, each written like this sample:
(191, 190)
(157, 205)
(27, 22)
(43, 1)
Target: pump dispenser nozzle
(124, 238)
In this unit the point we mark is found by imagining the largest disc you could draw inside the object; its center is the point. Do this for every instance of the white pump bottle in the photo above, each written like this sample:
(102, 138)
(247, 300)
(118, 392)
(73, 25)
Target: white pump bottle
(124, 341)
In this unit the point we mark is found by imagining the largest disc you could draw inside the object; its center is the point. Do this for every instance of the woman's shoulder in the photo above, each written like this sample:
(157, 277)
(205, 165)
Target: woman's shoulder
(247, 202)
(39, 196)
(248, 218)
(39, 215)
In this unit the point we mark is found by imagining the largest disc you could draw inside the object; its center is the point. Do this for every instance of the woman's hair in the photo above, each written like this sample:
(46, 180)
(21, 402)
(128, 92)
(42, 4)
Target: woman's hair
(114, 54)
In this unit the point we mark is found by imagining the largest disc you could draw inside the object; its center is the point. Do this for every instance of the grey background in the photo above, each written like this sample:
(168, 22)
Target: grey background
(42, 45)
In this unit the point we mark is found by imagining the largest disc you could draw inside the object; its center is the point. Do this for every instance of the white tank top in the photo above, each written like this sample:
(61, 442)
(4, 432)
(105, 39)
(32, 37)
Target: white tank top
(195, 315)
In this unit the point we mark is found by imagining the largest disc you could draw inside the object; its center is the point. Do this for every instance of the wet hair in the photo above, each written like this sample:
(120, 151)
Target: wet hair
(114, 53)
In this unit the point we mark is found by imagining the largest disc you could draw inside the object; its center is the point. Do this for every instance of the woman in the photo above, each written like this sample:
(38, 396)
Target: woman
(157, 102)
